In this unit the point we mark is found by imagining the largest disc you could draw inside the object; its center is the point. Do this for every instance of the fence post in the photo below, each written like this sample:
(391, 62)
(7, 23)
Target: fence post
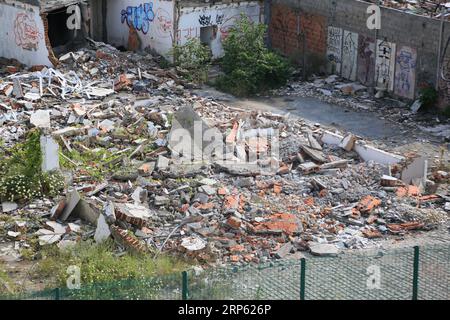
(184, 288)
(416, 273)
(302, 278)
(57, 294)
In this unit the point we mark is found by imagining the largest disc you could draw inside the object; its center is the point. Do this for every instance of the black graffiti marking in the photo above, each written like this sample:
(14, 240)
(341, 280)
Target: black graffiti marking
(219, 18)
(334, 45)
(204, 20)
(383, 70)
(349, 50)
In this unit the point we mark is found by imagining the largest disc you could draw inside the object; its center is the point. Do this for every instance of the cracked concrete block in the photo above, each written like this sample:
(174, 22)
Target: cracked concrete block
(50, 154)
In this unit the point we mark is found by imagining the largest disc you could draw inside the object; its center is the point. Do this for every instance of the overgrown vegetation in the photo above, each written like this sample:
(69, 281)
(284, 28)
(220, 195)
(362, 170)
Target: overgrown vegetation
(428, 98)
(6, 285)
(193, 60)
(21, 176)
(249, 66)
(99, 264)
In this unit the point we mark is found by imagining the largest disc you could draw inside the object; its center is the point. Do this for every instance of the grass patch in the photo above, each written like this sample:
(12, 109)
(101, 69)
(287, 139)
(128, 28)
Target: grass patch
(99, 264)
(7, 286)
(94, 163)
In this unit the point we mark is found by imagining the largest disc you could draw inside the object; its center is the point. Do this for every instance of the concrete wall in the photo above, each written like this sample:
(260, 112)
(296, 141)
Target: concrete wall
(415, 38)
(153, 20)
(23, 34)
(216, 19)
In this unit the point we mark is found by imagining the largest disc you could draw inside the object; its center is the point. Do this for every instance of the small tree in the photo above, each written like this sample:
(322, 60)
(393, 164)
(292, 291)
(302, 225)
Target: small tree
(193, 59)
(249, 66)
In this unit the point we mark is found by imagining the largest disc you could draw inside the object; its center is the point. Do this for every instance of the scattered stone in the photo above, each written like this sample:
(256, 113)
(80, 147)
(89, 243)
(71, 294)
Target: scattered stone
(324, 250)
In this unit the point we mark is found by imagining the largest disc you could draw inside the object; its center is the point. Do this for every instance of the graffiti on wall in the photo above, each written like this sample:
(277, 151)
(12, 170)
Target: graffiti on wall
(349, 55)
(189, 32)
(405, 72)
(334, 50)
(207, 20)
(26, 32)
(366, 60)
(385, 65)
(163, 23)
(139, 17)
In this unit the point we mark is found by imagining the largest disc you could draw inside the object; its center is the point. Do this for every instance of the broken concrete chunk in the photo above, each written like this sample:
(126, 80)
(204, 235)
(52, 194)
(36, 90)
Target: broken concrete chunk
(106, 125)
(128, 241)
(324, 250)
(146, 169)
(161, 201)
(284, 251)
(193, 243)
(190, 136)
(134, 214)
(348, 142)
(313, 142)
(308, 167)
(50, 154)
(9, 207)
(162, 163)
(41, 119)
(316, 155)
(71, 202)
(210, 191)
(17, 90)
(416, 106)
(416, 170)
(388, 181)
(102, 231)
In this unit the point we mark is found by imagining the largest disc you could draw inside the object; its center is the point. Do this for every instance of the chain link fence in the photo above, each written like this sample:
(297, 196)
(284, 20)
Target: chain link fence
(402, 274)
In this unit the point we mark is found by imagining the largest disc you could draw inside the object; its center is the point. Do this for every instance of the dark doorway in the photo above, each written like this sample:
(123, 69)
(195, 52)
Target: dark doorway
(208, 34)
(58, 32)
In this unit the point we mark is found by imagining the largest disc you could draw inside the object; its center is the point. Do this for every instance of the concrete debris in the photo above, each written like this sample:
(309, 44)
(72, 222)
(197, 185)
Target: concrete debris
(324, 250)
(193, 243)
(102, 231)
(348, 142)
(50, 154)
(40, 119)
(9, 207)
(266, 186)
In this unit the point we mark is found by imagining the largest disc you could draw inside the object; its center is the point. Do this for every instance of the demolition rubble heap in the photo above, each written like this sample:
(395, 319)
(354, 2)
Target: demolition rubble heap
(429, 8)
(106, 121)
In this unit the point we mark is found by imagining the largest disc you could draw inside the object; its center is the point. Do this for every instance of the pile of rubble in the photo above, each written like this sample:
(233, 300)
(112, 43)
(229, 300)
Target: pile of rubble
(353, 95)
(428, 8)
(271, 187)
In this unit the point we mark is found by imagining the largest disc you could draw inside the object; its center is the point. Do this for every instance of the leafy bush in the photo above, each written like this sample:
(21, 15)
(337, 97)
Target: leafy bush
(428, 98)
(21, 177)
(193, 60)
(249, 66)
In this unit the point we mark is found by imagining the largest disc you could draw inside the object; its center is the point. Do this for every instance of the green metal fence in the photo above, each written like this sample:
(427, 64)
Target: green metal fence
(402, 274)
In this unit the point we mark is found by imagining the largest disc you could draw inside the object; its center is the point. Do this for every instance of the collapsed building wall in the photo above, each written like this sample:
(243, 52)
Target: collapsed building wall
(211, 22)
(23, 37)
(37, 29)
(159, 24)
(152, 22)
(400, 57)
